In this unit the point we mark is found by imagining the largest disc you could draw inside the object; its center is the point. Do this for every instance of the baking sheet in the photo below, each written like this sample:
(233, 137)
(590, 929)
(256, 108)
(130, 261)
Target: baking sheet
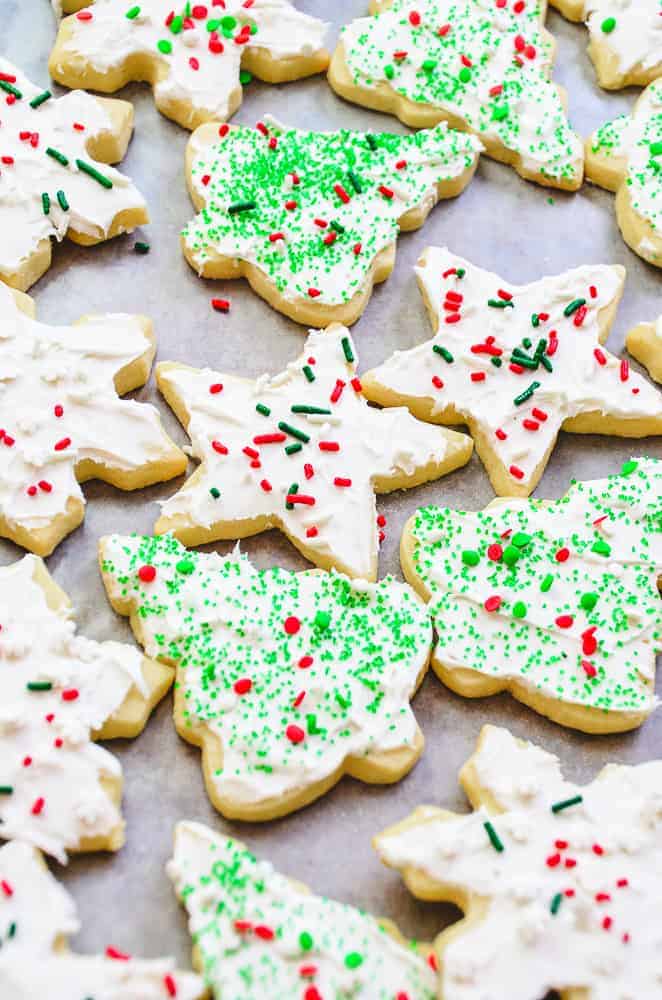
(500, 222)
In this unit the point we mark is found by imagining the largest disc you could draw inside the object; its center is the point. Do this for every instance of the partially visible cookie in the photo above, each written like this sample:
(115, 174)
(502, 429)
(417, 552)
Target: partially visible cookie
(194, 55)
(625, 156)
(54, 178)
(58, 692)
(644, 342)
(38, 915)
(559, 883)
(259, 934)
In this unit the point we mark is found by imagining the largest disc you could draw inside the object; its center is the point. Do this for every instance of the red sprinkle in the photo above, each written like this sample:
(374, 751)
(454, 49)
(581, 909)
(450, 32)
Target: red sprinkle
(562, 555)
(84, 15)
(516, 472)
(414, 18)
(328, 446)
(38, 806)
(292, 625)
(220, 305)
(308, 471)
(342, 481)
(588, 668)
(170, 985)
(386, 191)
(220, 448)
(580, 315)
(564, 621)
(243, 685)
(436, 382)
(59, 445)
(295, 735)
(494, 552)
(342, 194)
(305, 662)
(493, 603)
(625, 370)
(478, 376)
(146, 573)
(71, 694)
(6, 888)
(119, 956)
(314, 292)
(312, 533)
(266, 485)
(502, 436)
(539, 414)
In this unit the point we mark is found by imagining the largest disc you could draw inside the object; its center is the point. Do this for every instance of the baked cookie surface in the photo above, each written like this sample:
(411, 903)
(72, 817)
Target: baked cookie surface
(644, 342)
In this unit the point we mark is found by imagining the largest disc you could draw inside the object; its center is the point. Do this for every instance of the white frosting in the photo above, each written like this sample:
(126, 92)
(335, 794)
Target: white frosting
(636, 38)
(371, 443)
(480, 46)
(36, 915)
(53, 759)
(605, 936)
(317, 944)
(43, 368)
(336, 659)
(579, 382)
(32, 172)
(192, 71)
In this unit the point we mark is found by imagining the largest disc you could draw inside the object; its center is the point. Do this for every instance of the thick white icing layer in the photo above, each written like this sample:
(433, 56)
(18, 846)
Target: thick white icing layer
(573, 899)
(636, 37)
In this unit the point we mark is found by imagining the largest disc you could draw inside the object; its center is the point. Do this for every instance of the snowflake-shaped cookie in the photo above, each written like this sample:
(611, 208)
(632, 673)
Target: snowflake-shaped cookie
(37, 916)
(560, 883)
(286, 680)
(62, 422)
(625, 156)
(191, 53)
(517, 363)
(301, 451)
(644, 342)
(310, 219)
(480, 65)
(555, 602)
(58, 691)
(54, 178)
(258, 934)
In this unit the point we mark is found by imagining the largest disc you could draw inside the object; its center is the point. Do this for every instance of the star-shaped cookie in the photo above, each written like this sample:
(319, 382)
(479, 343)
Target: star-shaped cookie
(555, 602)
(625, 156)
(301, 451)
(559, 882)
(194, 55)
(58, 692)
(311, 219)
(37, 916)
(287, 681)
(258, 934)
(517, 363)
(54, 178)
(484, 67)
(61, 421)
(644, 342)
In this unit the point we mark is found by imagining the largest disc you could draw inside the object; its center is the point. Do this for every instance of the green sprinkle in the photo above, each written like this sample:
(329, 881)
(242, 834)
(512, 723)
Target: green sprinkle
(62, 201)
(293, 431)
(241, 206)
(343, 702)
(228, 22)
(141, 247)
(305, 941)
(444, 353)
(608, 25)
(526, 343)
(300, 408)
(309, 373)
(245, 77)
(355, 182)
(213, 24)
(558, 807)
(132, 13)
(164, 46)
(511, 554)
(535, 320)
(501, 303)
(322, 619)
(500, 112)
(11, 930)
(6, 789)
(588, 601)
(40, 99)
(601, 548)
(372, 142)
(39, 686)
(573, 306)
(215, 492)
(294, 489)
(464, 74)
(92, 172)
(495, 839)
(630, 466)
(337, 227)
(655, 149)
(519, 609)
(547, 582)
(264, 410)
(176, 24)
(429, 65)
(556, 903)
(520, 539)
(45, 202)
(347, 349)
(311, 724)
(292, 449)
(523, 396)
(10, 89)
(460, 272)
(497, 362)
(353, 960)
(389, 72)
(185, 567)
(470, 557)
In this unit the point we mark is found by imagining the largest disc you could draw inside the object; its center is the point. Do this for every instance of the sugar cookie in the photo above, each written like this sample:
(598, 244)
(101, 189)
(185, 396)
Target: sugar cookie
(54, 178)
(644, 342)
(625, 156)
(311, 219)
(482, 67)
(517, 363)
(38, 915)
(555, 602)
(286, 680)
(559, 883)
(193, 54)
(62, 422)
(60, 691)
(301, 451)
(259, 934)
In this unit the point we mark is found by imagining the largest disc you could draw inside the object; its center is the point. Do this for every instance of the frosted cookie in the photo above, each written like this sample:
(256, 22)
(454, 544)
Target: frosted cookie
(58, 692)
(301, 451)
(517, 363)
(63, 423)
(311, 219)
(559, 882)
(482, 67)
(286, 680)
(625, 39)
(193, 54)
(38, 915)
(625, 156)
(54, 178)
(644, 342)
(555, 602)
(259, 934)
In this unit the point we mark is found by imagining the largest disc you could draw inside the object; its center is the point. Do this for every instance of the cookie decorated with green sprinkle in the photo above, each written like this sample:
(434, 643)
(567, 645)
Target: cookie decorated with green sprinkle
(482, 67)
(556, 602)
(559, 883)
(287, 681)
(311, 219)
(258, 934)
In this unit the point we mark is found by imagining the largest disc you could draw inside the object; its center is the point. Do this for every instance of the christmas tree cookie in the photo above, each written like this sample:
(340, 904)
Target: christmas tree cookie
(483, 68)
(301, 451)
(37, 916)
(54, 178)
(518, 363)
(196, 56)
(644, 342)
(555, 602)
(625, 39)
(625, 156)
(63, 423)
(311, 219)
(58, 692)
(287, 681)
(258, 934)
(559, 883)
